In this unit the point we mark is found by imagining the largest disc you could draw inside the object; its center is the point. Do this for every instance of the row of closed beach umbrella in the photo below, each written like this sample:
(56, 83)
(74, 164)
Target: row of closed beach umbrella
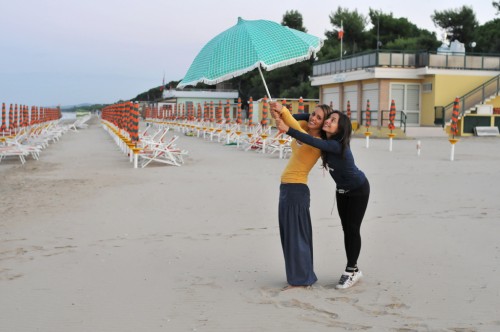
(21, 116)
(208, 112)
(26, 131)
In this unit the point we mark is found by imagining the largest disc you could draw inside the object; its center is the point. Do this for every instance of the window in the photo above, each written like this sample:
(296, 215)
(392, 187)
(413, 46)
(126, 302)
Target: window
(426, 87)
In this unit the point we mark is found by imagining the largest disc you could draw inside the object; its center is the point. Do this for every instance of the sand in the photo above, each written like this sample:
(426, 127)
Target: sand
(88, 243)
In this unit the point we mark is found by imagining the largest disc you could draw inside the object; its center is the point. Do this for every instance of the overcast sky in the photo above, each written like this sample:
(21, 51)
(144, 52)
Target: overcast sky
(63, 52)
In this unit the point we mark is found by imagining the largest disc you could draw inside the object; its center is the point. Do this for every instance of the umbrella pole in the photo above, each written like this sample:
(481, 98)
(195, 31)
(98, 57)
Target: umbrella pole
(265, 85)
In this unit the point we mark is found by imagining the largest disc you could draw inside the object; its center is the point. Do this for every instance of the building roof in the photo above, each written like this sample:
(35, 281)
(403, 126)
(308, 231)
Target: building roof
(199, 93)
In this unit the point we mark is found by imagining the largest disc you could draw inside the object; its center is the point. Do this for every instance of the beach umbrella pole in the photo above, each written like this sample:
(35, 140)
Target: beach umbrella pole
(453, 141)
(265, 85)
(367, 135)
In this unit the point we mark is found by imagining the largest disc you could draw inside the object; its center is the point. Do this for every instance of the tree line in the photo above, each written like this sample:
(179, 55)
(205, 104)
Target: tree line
(378, 30)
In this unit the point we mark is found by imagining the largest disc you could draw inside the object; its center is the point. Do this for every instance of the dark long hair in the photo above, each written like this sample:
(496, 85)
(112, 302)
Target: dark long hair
(342, 135)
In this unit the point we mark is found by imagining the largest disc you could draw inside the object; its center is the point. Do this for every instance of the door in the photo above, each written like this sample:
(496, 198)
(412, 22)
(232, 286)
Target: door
(406, 96)
(351, 95)
(331, 97)
(370, 92)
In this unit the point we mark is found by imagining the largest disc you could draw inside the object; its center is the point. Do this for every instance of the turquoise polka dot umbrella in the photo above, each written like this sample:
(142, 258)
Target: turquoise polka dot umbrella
(249, 45)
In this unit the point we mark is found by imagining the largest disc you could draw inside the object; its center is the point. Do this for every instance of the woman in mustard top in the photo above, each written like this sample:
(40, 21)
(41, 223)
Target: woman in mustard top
(294, 201)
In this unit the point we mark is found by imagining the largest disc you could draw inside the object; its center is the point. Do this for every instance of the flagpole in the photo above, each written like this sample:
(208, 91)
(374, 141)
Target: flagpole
(341, 39)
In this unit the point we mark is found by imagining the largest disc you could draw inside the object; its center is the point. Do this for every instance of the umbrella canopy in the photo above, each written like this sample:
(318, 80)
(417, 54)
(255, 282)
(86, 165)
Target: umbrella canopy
(249, 45)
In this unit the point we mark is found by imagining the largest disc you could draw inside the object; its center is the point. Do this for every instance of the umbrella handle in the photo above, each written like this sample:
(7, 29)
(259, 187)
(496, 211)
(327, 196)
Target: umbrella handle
(265, 85)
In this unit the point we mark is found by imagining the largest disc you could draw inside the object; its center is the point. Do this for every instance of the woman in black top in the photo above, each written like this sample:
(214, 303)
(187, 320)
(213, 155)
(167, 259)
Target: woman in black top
(353, 188)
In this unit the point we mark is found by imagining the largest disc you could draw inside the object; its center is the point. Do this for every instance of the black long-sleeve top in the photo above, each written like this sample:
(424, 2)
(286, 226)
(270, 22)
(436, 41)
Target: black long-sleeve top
(343, 170)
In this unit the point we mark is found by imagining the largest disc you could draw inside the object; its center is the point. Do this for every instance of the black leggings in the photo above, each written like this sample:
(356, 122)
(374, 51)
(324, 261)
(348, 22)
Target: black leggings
(351, 207)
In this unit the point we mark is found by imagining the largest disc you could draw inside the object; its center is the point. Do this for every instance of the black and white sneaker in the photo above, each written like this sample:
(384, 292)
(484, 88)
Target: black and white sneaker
(348, 279)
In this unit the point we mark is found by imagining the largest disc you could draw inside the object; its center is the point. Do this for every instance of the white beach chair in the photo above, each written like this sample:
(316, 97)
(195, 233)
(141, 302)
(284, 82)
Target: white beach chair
(162, 152)
(281, 143)
(12, 151)
(21, 145)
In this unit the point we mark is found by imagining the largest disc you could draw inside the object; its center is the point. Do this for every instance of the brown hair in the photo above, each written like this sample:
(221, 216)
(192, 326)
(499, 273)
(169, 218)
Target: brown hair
(327, 110)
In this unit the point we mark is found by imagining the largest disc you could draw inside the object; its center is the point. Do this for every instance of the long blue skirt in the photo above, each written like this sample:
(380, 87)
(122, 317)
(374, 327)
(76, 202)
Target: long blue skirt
(296, 233)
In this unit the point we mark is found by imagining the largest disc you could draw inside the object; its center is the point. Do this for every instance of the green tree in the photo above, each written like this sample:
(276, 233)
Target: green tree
(496, 5)
(154, 93)
(487, 37)
(293, 19)
(354, 25)
(459, 24)
(398, 33)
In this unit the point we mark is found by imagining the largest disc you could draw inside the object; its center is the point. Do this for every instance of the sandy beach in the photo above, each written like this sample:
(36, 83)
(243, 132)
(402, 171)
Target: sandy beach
(88, 243)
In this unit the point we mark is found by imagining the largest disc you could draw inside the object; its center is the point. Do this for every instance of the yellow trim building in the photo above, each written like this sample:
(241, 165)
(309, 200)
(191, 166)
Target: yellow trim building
(419, 82)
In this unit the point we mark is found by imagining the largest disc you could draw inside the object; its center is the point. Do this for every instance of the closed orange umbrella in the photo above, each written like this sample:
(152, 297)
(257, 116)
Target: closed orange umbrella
(368, 115)
(11, 118)
(25, 116)
(211, 111)
(392, 116)
(454, 127)
(33, 116)
(238, 118)
(37, 114)
(3, 127)
(134, 133)
(16, 117)
(454, 118)
(21, 116)
(264, 112)
(226, 111)
(219, 112)
(250, 111)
